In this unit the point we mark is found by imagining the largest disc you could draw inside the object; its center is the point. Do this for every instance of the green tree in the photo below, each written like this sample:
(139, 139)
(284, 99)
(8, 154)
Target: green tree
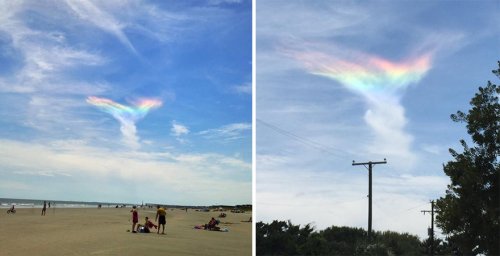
(284, 238)
(281, 238)
(469, 212)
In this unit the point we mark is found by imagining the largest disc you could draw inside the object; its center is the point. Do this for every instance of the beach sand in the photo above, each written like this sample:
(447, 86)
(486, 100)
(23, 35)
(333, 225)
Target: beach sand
(88, 231)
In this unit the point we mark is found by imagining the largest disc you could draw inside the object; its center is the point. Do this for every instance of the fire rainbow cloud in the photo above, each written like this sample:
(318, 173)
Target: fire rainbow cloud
(122, 112)
(127, 116)
(368, 75)
(381, 83)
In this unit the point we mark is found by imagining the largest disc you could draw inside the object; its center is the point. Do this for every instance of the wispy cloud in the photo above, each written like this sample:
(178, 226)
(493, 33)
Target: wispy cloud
(218, 2)
(243, 88)
(227, 132)
(42, 173)
(13, 185)
(433, 149)
(88, 11)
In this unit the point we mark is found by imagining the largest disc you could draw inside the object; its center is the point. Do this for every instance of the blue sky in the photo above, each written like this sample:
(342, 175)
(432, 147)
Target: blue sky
(192, 56)
(330, 90)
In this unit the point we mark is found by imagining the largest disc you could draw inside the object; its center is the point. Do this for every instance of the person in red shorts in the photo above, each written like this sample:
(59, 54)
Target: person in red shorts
(135, 218)
(162, 220)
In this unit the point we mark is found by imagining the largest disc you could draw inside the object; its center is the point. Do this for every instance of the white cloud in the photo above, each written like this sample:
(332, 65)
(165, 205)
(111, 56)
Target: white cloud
(433, 149)
(218, 2)
(319, 20)
(40, 82)
(387, 119)
(243, 88)
(227, 132)
(147, 142)
(205, 178)
(88, 11)
(13, 185)
(178, 129)
(42, 173)
(129, 132)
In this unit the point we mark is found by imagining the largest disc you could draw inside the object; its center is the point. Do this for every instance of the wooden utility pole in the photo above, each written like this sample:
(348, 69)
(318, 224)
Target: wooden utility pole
(431, 232)
(370, 164)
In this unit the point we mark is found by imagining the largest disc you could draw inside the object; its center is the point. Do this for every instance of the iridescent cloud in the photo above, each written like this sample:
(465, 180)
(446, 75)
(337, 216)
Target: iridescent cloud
(126, 115)
(381, 82)
(365, 73)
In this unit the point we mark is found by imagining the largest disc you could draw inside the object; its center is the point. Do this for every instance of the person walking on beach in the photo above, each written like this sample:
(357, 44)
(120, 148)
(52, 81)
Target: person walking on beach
(44, 209)
(162, 220)
(135, 218)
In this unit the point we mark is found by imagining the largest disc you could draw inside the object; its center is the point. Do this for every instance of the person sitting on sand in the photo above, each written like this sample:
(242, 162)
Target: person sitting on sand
(146, 227)
(212, 224)
(135, 218)
(150, 224)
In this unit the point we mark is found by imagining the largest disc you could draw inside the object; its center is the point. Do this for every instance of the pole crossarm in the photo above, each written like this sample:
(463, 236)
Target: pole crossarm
(370, 162)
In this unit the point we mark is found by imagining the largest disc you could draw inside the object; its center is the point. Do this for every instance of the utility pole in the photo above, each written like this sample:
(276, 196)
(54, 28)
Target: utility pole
(370, 164)
(431, 231)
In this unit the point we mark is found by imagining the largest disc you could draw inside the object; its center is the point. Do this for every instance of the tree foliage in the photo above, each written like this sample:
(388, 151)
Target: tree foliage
(469, 213)
(284, 238)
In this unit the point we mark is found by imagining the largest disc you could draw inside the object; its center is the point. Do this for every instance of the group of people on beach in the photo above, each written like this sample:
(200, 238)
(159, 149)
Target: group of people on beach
(161, 217)
(44, 208)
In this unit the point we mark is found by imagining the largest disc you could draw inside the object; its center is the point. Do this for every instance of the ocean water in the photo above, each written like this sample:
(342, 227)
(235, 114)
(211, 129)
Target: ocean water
(36, 203)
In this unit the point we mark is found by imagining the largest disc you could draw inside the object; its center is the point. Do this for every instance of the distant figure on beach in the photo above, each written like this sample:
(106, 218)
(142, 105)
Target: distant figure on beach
(161, 213)
(135, 218)
(11, 210)
(49, 204)
(44, 209)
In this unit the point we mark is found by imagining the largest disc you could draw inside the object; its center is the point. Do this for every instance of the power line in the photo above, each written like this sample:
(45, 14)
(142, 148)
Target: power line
(297, 204)
(304, 141)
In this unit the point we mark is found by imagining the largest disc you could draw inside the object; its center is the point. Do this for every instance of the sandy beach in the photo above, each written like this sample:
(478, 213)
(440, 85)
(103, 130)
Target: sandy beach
(88, 231)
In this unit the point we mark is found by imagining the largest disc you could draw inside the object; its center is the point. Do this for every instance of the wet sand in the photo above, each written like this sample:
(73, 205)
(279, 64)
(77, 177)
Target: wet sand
(103, 231)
